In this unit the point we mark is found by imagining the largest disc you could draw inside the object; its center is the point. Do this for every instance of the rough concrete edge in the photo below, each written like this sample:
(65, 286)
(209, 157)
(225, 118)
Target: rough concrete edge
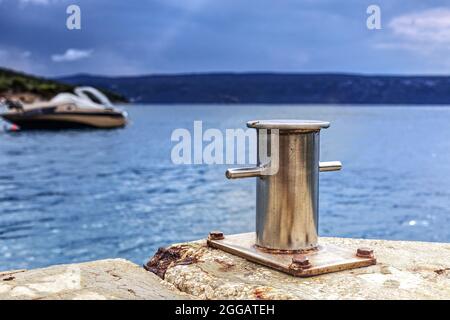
(135, 268)
(199, 245)
(11, 272)
(7, 272)
(386, 240)
(203, 240)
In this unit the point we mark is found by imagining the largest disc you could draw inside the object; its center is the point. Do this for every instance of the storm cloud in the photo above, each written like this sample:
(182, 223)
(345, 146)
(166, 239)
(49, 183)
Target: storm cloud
(172, 36)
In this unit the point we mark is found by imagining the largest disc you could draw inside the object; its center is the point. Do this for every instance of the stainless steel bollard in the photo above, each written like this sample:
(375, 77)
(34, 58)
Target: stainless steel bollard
(287, 198)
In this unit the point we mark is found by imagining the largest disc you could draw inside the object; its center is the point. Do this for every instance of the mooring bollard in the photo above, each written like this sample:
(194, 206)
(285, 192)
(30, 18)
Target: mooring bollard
(287, 202)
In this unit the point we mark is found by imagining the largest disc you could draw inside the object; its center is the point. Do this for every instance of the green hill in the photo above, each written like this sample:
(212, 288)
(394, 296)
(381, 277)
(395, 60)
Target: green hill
(13, 83)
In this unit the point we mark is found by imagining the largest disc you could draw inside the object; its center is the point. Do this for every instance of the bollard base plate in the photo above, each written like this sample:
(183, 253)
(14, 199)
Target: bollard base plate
(326, 259)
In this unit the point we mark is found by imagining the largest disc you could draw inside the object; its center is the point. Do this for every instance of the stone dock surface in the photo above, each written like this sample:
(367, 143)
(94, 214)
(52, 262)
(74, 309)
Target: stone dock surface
(404, 270)
(97, 280)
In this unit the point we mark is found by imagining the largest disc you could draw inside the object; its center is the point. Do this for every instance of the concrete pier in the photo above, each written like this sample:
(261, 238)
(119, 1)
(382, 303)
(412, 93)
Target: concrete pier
(97, 280)
(404, 270)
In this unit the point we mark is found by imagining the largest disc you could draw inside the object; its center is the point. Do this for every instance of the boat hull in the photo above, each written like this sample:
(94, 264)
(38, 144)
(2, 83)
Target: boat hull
(66, 121)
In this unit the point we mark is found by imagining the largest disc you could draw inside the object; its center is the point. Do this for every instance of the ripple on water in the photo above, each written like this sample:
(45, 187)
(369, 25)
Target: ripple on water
(81, 195)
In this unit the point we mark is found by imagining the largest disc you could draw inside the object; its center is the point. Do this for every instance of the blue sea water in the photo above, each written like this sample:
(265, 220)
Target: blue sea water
(72, 196)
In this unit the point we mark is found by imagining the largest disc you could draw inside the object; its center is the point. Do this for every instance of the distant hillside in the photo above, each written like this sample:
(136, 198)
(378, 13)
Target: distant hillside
(275, 88)
(14, 84)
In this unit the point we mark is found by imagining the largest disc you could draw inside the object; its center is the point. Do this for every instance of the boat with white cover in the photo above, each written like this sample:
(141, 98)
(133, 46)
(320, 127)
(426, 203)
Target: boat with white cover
(87, 108)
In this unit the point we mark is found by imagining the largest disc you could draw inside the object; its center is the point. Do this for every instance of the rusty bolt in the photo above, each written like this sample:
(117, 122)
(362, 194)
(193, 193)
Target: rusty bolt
(301, 261)
(216, 235)
(364, 253)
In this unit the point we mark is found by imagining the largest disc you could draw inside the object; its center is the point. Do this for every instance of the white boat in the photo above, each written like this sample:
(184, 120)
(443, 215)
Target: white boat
(87, 108)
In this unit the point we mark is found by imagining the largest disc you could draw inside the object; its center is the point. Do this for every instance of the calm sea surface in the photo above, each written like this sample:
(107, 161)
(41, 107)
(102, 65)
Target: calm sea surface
(73, 196)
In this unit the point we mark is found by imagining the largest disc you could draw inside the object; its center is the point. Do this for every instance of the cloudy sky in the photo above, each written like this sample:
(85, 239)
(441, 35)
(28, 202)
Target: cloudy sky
(126, 37)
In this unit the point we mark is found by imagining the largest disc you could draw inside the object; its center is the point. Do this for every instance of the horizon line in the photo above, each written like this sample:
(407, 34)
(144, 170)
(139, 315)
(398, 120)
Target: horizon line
(232, 73)
(240, 73)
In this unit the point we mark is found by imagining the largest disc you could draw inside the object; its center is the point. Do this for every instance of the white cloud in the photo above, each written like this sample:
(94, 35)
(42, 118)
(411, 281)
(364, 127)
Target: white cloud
(34, 1)
(423, 35)
(72, 55)
(8, 54)
(431, 26)
(424, 32)
(19, 59)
